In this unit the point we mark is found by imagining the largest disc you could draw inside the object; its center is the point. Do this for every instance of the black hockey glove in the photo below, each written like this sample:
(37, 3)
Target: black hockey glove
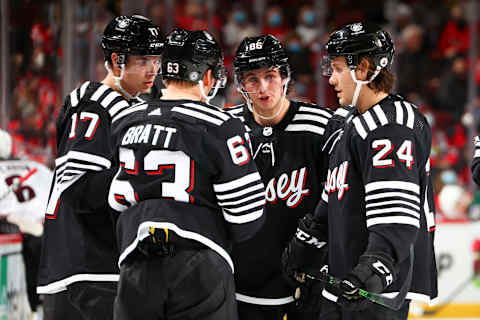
(307, 249)
(308, 294)
(374, 273)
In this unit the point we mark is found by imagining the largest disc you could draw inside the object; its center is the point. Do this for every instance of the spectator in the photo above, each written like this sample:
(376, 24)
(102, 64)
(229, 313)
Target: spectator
(416, 67)
(275, 23)
(238, 26)
(195, 17)
(455, 37)
(452, 94)
(307, 27)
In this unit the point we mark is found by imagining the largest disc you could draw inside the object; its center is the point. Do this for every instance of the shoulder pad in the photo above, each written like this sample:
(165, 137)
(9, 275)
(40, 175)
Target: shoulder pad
(310, 118)
(135, 109)
(237, 111)
(109, 99)
(203, 112)
(394, 112)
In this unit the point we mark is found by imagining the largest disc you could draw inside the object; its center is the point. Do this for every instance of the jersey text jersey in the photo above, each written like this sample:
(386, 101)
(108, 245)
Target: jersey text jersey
(185, 166)
(79, 242)
(379, 194)
(291, 161)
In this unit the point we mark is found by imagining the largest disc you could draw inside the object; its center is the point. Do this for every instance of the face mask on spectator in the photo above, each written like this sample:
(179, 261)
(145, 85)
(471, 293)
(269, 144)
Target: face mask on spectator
(300, 88)
(308, 17)
(275, 19)
(294, 47)
(239, 17)
(449, 177)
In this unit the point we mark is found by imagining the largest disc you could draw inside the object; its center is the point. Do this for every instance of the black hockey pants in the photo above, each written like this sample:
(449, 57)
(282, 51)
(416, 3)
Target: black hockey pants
(188, 284)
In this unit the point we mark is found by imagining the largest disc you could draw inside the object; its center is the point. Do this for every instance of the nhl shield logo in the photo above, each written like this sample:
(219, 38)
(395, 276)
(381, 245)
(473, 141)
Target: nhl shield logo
(356, 27)
(122, 24)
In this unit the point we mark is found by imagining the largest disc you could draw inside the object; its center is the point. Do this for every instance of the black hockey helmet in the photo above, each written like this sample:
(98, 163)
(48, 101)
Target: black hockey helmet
(263, 51)
(131, 35)
(188, 55)
(357, 40)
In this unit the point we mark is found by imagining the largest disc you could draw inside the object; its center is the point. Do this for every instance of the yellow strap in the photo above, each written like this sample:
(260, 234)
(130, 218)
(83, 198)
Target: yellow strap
(151, 230)
(166, 234)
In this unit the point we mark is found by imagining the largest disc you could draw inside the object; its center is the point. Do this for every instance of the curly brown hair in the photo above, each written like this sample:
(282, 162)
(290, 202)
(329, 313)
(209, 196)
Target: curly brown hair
(384, 81)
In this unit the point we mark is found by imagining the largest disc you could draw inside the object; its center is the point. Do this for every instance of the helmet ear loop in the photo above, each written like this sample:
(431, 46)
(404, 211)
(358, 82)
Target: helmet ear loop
(360, 82)
(118, 79)
(244, 93)
(215, 89)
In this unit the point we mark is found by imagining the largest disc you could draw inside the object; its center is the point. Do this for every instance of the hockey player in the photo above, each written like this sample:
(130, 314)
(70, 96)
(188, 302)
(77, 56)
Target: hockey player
(287, 138)
(476, 160)
(378, 190)
(79, 250)
(186, 189)
(23, 204)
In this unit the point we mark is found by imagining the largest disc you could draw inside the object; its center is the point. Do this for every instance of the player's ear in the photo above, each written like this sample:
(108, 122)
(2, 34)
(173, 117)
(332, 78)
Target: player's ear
(114, 59)
(208, 78)
(362, 69)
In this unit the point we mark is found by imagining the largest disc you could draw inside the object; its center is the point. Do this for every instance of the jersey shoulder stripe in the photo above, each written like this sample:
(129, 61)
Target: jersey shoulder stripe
(310, 118)
(130, 110)
(369, 121)
(237, 111)
(109, 99)
(112, 101)
(391, 112)
(204, 112)
(399, 112)
(404, 114)
(77, 94)
(342, 112)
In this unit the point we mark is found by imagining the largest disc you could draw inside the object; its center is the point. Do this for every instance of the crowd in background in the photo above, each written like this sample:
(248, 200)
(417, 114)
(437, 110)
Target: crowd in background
(432, 63)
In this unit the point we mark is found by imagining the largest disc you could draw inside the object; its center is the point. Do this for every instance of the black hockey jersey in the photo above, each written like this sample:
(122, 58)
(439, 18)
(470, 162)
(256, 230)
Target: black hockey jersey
(291, 161)
(187, 167)
(476, 160)
(79, 242)
(379, 194)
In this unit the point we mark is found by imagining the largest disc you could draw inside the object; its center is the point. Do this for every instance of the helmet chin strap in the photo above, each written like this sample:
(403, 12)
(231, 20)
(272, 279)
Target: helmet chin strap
(117, 80)
(359, 83)
(215, 89)
(252, 109)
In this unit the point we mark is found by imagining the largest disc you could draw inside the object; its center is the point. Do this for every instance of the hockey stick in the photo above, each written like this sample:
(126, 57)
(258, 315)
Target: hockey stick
(451, 296)
(14, 186)
(394, 303)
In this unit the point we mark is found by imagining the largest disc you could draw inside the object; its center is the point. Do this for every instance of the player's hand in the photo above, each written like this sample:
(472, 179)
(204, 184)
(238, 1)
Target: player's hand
(308, 296)
(346, 294)
(374, 273)
(307, 249)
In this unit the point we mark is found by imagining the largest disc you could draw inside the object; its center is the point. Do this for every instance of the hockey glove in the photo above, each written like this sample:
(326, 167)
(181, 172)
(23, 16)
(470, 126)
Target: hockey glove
(307, 249)
(374, 273)
(308, 295)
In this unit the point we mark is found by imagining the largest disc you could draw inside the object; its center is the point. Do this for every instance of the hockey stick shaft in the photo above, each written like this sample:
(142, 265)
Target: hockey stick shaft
(451, 296)
(20, 181)
(394, 303)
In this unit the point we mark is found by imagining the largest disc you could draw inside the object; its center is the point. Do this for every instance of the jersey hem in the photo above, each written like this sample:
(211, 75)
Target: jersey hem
(143, 232)
(263, 301)
(61, 285)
